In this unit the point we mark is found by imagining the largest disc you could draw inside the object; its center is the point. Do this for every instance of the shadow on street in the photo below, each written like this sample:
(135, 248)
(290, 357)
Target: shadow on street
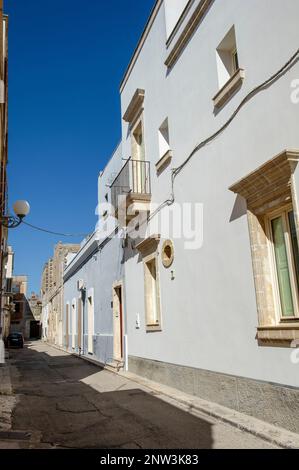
(111, 412)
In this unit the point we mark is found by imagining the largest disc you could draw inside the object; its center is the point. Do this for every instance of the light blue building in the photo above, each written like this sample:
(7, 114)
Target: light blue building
(93, 282)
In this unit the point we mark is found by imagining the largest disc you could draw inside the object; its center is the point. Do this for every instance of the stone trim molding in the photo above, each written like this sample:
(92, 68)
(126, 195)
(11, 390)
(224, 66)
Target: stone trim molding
(282, 335)
(149, 245)
(270, 184)
(230, 87)
(135, 105)
(179, 22)
(163, 162)
(187, 32)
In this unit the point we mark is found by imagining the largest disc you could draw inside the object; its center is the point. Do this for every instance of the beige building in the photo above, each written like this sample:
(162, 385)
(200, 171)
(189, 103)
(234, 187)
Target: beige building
(4, 312)
(7, 300)
(36, 306)
(21, 316)
(47, 277)
(52, 293)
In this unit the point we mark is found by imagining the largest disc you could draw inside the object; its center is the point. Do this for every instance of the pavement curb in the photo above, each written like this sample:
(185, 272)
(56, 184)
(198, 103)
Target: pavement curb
(266, 431)
(195, 405)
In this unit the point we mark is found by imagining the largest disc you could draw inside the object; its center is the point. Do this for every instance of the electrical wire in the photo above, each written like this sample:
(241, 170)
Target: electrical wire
(175, 171)
(76, 235)
(243, 102)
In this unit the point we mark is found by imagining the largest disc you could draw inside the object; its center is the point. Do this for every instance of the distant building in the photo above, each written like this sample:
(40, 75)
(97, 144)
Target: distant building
(22, 318)
(52, 292)
(7, 302)
(35, 305)
(47, 277)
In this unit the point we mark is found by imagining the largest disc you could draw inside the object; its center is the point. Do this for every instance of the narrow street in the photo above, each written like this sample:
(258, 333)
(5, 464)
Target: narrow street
(61, 401)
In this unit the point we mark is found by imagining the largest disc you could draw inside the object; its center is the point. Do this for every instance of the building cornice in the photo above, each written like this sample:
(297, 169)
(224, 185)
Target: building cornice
(141, 42)
(92, 246)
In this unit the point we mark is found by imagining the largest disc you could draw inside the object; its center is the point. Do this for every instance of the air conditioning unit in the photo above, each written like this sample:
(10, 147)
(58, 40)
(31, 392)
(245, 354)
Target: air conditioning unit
(80, 284)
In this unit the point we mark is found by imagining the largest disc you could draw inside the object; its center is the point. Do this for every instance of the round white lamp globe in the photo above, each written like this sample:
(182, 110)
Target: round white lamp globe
(21, 208)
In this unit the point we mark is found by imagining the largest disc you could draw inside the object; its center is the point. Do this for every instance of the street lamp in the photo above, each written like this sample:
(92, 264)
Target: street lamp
(21, 209)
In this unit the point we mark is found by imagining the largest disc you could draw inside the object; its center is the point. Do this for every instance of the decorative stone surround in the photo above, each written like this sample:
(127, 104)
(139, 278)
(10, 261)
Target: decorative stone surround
(270, 184)
(167, 253)
(230, 87)
(149, 245)
(267, 188)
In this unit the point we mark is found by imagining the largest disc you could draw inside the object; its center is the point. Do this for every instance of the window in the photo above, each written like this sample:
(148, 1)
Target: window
(148, 249)
(165, 154)
(90, 321)
(227, 57)
(284, 246)
(152, 295)
(164, 146)
(18, 307)
(230, 75)
(273, 222)
(235, 61)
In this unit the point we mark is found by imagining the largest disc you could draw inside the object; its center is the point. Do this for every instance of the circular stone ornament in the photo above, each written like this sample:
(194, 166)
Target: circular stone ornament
(167, 253)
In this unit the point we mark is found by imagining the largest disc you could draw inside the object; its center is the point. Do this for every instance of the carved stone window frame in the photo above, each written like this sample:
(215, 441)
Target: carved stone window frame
(269, 187)
(148, 249)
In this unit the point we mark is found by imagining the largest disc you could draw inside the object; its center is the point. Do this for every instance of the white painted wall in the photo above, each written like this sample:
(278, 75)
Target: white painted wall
(173, 10)
(209, 310)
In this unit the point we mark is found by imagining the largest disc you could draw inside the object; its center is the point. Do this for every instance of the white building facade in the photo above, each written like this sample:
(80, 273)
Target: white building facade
(217, 317)
(209, 303)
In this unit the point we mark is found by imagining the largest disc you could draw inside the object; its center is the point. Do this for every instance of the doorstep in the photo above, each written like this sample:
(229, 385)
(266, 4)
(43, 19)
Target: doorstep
(193, 405)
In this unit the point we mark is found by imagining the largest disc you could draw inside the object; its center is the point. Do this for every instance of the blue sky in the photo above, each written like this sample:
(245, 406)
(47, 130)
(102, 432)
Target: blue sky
(66, 61)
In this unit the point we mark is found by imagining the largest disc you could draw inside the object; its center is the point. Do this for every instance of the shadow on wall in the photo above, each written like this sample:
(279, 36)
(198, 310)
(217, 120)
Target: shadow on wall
(53, 400)
(239, 209)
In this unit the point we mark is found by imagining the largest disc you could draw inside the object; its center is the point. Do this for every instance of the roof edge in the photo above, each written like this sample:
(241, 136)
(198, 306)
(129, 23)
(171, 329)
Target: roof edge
(141, 42)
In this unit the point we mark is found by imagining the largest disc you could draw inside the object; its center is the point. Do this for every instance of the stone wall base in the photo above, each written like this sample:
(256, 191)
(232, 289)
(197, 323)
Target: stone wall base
(273, 403)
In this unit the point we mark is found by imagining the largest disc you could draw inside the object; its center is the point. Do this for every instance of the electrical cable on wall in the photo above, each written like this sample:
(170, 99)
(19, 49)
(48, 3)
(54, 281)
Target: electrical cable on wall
(265, 84)
(176, 171)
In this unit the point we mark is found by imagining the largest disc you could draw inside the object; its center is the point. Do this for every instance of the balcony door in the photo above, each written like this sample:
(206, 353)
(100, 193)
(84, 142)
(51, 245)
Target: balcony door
(138, 160)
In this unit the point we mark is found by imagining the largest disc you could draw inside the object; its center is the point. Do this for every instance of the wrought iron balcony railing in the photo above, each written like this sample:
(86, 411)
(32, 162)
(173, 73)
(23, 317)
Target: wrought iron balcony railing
(133, 180)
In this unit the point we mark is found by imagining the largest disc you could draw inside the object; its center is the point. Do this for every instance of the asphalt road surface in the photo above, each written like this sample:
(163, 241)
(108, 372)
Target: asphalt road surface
(61, 401)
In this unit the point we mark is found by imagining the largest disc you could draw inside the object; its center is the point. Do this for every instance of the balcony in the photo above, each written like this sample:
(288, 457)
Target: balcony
(133, 181)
